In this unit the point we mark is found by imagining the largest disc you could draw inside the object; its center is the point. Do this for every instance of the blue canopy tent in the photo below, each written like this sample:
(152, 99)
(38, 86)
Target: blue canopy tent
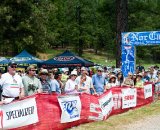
(66, 59)
(4, 60)
(3, 63)
(25, 58)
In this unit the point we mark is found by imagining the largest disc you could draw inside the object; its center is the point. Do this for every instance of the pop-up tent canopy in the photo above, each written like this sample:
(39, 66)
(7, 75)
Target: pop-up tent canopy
(25, 58)
(66, 59)
(4, 60)
(3, 64)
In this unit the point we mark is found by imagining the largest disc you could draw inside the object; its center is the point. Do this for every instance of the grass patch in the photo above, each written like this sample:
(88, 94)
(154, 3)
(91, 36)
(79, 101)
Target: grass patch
(131, 116)
(106, 59)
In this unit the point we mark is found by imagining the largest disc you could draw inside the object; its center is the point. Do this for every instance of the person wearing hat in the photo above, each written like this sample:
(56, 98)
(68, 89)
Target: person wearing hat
(128, 80)
(99, 81)
(112, 82)
(12, 86)
(71, 86)
(45, 81)
(31, 83)
(84, 82)
(139, 81)
(65, 75)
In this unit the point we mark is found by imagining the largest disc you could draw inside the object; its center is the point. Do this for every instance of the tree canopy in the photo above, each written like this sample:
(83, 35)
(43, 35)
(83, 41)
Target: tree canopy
(37, 25)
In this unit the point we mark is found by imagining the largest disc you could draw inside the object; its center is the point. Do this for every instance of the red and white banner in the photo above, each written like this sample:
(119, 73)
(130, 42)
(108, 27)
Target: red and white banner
(70, 107)
(148, 91)
(106, 103)
(92, 108)
(129, 97)
(17, 114)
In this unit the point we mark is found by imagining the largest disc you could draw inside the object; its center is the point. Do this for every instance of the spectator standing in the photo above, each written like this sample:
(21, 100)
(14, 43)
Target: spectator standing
(140, 68)
(99, 82)
(128, 80)
(112, 82)
(139, 81)
(45, 81)
(0, 85)
(151, 75)
(84, 82)
(65, 75)
(71, 86)
(11, 82)
(56, 83)
(31, 83)
(119, 79)
(146, 77)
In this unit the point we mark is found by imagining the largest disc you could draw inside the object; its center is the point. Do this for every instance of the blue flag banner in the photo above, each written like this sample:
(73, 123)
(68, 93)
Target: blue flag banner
(132, 39)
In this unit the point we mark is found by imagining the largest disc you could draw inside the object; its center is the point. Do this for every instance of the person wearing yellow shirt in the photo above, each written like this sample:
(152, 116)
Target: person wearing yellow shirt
(139, 82)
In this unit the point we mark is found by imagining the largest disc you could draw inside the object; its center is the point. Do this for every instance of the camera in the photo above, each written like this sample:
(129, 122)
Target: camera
(31, 87)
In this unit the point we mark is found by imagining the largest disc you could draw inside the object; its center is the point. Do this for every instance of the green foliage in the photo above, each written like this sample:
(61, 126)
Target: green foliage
(39, 25)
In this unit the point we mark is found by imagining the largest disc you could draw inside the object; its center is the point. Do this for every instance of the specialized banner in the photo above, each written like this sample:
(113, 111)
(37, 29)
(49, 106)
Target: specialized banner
(129, 97)
(148, 91)
(106, 103)
(17, 114)
(70, 107)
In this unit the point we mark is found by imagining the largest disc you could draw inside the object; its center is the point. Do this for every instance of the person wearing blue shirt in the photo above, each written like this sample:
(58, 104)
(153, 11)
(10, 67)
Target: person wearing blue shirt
(56, 86)
(99, 82)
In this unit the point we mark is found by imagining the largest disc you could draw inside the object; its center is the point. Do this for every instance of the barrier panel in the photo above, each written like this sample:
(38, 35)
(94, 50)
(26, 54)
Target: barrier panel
(93, 108)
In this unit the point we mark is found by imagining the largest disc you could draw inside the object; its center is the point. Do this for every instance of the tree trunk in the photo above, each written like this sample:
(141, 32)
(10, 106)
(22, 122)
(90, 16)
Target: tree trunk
(122, 22)
(80, 40)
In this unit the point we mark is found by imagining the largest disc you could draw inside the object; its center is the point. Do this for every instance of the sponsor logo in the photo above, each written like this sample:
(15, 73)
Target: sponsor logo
(64, 58)
(129, 97)
(106, 103)
(20, 113)
(144, 37)
(70, 108)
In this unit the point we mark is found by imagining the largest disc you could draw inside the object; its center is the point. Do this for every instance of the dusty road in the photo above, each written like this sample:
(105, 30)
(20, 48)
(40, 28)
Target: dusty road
(149, 123)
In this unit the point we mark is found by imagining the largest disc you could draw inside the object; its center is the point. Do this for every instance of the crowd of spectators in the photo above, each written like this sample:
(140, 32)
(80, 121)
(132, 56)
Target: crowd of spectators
(16, 85)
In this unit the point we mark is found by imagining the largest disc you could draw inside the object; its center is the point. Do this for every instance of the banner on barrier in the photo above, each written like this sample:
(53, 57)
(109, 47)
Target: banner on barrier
(129, 97)
(106, 103)
(18, 114)
(148, 91)
(70, 107)
(117, 99)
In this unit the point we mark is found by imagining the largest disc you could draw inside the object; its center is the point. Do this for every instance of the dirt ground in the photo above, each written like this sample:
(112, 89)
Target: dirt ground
(149, 123)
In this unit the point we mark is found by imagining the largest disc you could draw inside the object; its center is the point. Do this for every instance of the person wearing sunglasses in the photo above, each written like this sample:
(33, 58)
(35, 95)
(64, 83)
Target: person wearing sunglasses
(12, 86)
(99, 81)
(32, 84)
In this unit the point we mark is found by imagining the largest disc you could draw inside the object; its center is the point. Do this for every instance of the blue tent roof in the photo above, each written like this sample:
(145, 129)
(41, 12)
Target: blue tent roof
(4, 60)
(67, 59)
(25, 58)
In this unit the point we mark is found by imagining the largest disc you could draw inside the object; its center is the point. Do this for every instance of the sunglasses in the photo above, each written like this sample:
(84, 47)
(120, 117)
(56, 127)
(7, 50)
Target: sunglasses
(44, 74)
(99, 71)
(32, 70)
(13, 66)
